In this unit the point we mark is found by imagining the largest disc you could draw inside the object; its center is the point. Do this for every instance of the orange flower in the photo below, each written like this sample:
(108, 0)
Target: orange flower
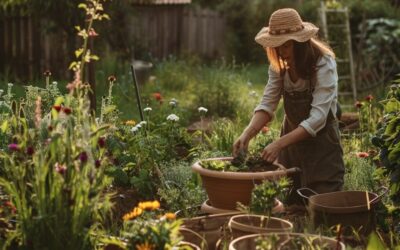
(145, 246)
(130, 123)
(265, 130)
(170, 216)
(362, 154)
(133, 214)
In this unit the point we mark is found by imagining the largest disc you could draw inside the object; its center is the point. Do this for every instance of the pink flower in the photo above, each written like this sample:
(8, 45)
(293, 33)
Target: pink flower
(362, 154)
(13, 147)
(265, 130)
(92, 32)
(61, 169)
(369, 98)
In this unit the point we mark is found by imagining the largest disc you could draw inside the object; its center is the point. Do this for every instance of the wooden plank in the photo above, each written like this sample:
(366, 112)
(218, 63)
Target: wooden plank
(2, 46)
(30, 49)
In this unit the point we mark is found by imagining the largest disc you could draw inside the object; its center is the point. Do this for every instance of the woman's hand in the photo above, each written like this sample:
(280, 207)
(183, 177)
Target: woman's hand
(271, 152)
(241, 144)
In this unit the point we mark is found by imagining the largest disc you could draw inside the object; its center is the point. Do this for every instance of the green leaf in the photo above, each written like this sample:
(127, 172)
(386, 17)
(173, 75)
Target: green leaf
(4, 126)
(375, 243)
(392, 106)
(78, 52)
(82, 6)
(94, 57)
(109, 109)
(72, 65)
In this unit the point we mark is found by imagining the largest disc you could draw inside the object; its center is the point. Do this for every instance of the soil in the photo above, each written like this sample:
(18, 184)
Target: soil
(260, 165)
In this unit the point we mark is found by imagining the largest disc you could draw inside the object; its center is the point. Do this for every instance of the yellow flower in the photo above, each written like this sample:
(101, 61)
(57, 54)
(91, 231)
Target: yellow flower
(145, 246)
(149, 205)
(133, 214)
(170, 216)
(130, 123)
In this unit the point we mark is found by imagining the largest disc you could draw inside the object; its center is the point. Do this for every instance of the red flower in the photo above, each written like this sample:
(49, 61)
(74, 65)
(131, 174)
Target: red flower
(358, 104)
(67, 110)
(362, 154)
(265, 130)
(11, 206)
(369, 98)
(57, 107)
(157, 96)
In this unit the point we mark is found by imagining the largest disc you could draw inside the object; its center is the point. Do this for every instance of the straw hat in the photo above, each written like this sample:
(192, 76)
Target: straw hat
(285, 24)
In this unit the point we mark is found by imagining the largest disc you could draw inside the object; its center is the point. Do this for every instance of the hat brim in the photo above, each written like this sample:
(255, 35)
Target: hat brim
(265, 39)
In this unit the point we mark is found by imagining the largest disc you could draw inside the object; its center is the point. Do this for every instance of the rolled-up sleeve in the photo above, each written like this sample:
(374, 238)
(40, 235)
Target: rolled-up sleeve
(272, 94)
(324, 93)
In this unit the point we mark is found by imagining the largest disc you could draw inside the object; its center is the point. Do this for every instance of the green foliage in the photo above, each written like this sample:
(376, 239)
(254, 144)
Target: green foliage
(263, 195)
(359, 174)
(387, 140)
(179, 189)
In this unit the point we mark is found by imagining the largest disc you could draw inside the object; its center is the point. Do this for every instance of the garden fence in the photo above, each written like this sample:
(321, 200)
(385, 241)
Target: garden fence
(26, 49)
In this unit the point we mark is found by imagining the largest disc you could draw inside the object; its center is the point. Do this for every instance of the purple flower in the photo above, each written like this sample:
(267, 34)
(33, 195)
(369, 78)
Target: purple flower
(83, 157)
(97, 163)
(102, 142)
(13, 147)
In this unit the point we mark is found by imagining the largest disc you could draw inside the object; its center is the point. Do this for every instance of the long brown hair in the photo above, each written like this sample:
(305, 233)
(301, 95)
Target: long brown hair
(305, 54)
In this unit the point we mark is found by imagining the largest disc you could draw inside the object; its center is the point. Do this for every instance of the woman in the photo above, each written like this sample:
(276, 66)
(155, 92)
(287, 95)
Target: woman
(303, 71)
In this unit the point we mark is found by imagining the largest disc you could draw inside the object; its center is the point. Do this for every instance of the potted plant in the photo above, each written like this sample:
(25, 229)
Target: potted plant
(228, 180)
(258, 219)
(285, 241)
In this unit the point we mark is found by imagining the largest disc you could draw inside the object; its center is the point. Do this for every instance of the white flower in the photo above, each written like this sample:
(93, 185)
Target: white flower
(148, 109)
(253, 93)
(134, 129)
(202, 109)
(173, 117)
(10, 84)
(249, 84)
(54, 83)
(138, 126)
(142, 123)
(173, 104)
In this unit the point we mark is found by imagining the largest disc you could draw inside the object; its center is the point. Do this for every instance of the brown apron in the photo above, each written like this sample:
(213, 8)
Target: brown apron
(320, 158)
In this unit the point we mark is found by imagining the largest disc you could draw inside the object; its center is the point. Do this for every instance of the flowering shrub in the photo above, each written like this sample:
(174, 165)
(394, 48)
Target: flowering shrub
(146, 227)
(53, 167)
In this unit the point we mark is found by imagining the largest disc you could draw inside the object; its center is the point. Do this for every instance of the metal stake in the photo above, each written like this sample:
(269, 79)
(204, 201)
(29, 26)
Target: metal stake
(137, 93)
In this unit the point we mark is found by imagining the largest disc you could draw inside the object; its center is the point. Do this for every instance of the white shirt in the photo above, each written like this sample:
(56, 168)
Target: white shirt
(324, 95)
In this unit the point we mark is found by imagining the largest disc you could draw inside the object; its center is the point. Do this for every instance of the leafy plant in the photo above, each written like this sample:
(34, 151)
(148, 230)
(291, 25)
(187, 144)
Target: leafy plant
(387, 140)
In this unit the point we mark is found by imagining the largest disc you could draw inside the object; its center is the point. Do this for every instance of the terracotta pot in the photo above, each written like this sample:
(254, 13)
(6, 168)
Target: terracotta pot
(245, 224)
(189, 245)
(210, 227)
(207, 208)
(285, 241)
(351, 209)
(193, 238)
(225, 189)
